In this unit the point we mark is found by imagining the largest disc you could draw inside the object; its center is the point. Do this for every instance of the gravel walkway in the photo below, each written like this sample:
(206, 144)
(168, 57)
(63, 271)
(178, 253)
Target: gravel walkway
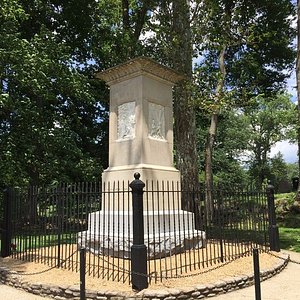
(285, 285)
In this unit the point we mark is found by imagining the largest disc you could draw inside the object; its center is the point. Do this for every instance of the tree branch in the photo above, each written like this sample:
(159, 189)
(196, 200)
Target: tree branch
(141, 19)
(125, 14)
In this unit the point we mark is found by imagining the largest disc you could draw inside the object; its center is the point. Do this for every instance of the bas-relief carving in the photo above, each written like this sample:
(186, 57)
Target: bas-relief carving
(156, 121)
(126, 120)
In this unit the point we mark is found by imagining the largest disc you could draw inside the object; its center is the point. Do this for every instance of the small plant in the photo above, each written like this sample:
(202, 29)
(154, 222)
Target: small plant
(285, 197)
(287, 215)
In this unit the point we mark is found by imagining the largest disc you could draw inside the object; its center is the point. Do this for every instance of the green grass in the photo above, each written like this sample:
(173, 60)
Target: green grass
(288, 196)
(289, 238)
(40, 241)
(288, 222)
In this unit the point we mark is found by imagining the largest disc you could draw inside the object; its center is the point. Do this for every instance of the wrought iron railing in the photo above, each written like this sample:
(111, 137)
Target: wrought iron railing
(49, 224)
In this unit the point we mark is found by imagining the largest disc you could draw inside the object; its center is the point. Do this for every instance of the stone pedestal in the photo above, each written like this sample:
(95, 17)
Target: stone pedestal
(141, 140)
(166, 233)
(140, 121)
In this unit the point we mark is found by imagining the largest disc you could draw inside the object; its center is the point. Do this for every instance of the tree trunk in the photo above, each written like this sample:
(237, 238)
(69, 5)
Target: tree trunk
(132, 33)
(297, 198)
(208, 164)
(184, 113)
(211, 137)
(125, 14)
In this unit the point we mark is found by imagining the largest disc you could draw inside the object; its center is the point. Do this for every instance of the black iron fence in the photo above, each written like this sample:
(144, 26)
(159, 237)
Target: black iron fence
(181, 235)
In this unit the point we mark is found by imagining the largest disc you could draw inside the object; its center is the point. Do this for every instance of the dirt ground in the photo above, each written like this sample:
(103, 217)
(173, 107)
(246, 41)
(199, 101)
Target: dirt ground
(55, 276)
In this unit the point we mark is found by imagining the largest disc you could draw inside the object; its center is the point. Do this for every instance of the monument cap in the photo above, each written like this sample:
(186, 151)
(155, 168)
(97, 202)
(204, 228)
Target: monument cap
(137, 66)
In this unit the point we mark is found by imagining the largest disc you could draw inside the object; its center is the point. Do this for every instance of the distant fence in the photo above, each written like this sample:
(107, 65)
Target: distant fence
(50, 224)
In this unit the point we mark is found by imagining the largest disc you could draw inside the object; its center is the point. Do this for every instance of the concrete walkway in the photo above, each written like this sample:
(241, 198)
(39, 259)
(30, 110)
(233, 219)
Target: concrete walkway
(284, 286)
(10, 293)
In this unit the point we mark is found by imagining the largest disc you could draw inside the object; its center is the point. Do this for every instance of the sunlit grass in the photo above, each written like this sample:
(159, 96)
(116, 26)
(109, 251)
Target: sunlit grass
(289, 238)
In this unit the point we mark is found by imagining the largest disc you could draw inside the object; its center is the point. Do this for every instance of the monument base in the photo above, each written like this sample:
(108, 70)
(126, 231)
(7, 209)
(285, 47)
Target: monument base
(166, 233)
(163, 182)
(150, 173)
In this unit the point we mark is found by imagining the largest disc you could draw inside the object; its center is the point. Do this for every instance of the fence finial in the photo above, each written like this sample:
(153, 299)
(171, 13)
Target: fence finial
(270, 185)
(137, 185)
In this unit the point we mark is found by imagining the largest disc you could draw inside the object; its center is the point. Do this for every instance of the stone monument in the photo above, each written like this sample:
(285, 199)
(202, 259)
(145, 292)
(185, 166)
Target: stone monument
(140, 140)
(140, 121)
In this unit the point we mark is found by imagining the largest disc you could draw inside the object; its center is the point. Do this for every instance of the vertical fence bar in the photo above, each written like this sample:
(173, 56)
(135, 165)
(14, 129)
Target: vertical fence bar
(220, 210)
(59, 219)
(82, 273)
(265, 221)
(256, 274)
(138, 249)
(7, 218)
(157, 200)
(16, 219)
(273, 228)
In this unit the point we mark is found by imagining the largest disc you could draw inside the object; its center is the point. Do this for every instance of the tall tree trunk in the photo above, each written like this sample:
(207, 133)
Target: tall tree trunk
(132, 29)
(184, 113)
(211, 136)
(125, 14)
(298, 90)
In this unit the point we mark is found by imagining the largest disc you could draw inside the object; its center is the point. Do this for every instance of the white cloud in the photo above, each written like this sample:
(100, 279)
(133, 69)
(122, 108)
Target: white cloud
(289, 151)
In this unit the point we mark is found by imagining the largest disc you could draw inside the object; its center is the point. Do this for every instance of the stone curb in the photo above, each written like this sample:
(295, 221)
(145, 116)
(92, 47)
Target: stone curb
(222, 286)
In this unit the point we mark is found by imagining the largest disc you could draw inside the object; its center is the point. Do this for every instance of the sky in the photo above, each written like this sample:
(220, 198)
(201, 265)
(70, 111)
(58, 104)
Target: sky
(289, 151)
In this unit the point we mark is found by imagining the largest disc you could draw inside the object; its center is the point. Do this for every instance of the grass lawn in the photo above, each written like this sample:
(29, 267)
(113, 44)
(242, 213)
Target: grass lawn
(289, 238)
(288, 222)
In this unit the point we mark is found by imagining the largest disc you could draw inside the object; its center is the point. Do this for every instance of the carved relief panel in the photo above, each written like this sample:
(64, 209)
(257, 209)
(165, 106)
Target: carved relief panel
(156, 121)
(126, 121)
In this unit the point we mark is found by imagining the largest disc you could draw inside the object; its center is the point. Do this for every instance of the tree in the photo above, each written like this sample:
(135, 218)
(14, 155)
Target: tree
(51, 117)
(231, 143)
(279, 173)
(54, 121)
(269, 122)
(243, 54)
(171, 43)
(184, 113)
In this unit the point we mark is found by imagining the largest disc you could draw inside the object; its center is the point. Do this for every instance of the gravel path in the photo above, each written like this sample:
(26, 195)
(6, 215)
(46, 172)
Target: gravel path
(285, 285)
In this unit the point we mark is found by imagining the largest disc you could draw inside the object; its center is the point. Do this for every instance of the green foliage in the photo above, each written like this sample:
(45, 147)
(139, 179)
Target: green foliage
(288, 222)
(287, 210)
(245, 138)
(244, 57)
(283, 202)
(281, 172)
(292, 170)
(53, 124)
(269, 121)
(53, 114)
(257, 53)
(231, 142)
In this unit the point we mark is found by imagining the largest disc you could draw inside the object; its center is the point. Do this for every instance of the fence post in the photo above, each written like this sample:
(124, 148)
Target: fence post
(139, 277)
(82, 273)
(273, 228)
(256, 274)
(7, 224)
